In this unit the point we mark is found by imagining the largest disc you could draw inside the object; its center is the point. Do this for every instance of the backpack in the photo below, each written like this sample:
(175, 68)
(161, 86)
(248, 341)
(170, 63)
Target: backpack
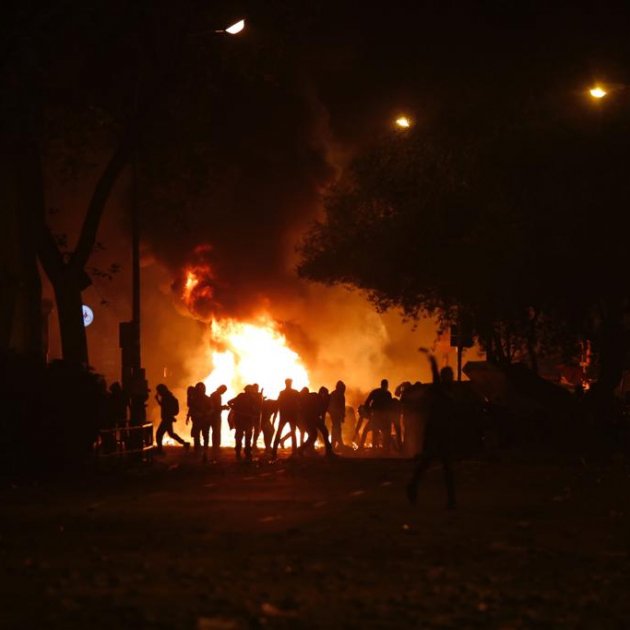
(172, 406)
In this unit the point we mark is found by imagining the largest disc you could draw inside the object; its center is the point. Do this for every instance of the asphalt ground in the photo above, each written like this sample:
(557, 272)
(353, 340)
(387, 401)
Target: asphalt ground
(313, 543)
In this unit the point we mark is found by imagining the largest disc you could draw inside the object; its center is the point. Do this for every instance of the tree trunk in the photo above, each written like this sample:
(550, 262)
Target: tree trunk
(70, 310)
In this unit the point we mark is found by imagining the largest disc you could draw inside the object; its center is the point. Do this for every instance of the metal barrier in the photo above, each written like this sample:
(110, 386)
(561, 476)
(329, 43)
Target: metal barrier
(125, 440)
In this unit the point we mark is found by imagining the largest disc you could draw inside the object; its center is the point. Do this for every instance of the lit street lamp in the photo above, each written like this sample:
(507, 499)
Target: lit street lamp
(402, 122)
(237, 27)
(597, 92)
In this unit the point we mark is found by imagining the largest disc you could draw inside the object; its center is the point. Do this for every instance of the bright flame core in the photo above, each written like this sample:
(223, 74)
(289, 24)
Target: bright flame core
(403, 122)
(597, 92)
(254, 353)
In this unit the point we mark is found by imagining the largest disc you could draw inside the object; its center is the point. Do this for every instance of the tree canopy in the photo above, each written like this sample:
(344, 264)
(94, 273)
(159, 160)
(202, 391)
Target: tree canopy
(511, 216)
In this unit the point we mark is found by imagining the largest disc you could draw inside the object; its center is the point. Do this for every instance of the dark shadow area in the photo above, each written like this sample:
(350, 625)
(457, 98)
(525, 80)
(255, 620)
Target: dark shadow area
(51, 415)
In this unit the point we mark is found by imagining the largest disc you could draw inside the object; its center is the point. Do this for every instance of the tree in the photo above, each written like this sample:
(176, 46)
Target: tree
(505, 213)
(94, 105)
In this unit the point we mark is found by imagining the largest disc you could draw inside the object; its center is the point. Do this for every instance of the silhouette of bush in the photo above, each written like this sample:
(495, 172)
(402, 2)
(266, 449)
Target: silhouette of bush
(51, 414)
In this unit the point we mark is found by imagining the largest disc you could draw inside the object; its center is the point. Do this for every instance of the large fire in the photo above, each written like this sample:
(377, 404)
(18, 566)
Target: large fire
(240, 353)
(252, 353)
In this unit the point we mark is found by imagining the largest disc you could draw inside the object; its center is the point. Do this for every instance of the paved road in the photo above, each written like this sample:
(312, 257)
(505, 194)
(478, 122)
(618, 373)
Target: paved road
(317, 544)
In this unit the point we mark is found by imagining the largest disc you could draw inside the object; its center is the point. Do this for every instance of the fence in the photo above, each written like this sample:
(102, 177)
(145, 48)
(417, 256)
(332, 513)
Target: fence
(125, 440)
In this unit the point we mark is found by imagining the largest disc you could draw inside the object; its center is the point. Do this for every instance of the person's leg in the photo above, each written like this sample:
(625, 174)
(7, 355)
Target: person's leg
(276, 440)
(326, 437)
(174, 435)
(369, 427)
(398, 432)
(216, 437)
(423, 463)
(195, 434)
(238, 436)
(267, 430)
(309, 442)
(294, 445)
(159, 436)
(249, 430)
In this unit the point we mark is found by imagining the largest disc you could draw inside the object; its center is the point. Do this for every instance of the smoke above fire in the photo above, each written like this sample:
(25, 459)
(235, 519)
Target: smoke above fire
(223, 238)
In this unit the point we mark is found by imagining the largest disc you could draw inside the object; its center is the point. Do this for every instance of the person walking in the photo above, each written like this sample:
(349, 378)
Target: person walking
(337, 412)
(439, 410)
(289, 408)
(169, 408)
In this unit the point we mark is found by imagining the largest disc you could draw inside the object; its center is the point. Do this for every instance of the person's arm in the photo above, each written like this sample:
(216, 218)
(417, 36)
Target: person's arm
(434, 368)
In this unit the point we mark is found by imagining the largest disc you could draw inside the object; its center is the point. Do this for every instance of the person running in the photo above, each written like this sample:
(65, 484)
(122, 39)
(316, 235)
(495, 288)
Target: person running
(169, 408)
(289, 407)
(439, 411)
(337, 412)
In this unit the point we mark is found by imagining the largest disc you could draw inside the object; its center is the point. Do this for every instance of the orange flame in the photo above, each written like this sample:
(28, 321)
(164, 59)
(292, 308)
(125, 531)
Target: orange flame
(253, 353)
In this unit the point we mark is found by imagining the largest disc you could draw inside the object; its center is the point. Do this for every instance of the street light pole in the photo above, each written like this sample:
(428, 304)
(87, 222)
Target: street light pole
(133, 374)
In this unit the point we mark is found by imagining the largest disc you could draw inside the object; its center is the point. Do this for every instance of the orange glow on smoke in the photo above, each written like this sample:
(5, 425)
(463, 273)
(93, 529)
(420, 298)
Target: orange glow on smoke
(191, 282)
(252, 353)
(197, 286)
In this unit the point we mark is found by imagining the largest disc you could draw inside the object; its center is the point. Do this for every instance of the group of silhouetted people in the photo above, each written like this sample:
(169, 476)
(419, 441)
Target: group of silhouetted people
(423, 412)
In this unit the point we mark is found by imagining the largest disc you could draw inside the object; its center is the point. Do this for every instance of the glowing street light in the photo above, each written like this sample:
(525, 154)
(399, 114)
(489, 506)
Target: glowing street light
(402, 122)
(597, 92)
(237, 27)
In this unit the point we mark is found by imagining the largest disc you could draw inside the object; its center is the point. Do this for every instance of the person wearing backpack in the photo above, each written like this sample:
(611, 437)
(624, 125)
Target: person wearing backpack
(169, 408)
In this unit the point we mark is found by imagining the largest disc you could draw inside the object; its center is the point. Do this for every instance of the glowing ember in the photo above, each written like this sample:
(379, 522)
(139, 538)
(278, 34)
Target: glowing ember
(254, 353)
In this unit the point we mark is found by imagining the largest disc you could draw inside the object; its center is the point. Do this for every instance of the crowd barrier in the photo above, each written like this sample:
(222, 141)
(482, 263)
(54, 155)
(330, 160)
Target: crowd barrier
(125, 440)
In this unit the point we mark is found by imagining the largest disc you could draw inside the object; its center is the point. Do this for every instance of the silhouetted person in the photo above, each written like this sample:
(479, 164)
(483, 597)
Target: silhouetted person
(256, 428)
(289, 407)
(190, 401)
(196, 410)
(246, 409)
(379, 404)
(412, 397)
(394, 413)
(169, 408)
(337, 412)
(313, 408)
(439, 412)
(215, 408)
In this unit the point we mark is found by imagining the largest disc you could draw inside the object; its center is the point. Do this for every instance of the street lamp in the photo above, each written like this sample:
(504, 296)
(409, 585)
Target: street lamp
(237, 27)
(597, 92)
(402, 122)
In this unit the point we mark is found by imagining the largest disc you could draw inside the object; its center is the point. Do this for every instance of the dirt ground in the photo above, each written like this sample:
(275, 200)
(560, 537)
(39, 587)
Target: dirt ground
(318, 544)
